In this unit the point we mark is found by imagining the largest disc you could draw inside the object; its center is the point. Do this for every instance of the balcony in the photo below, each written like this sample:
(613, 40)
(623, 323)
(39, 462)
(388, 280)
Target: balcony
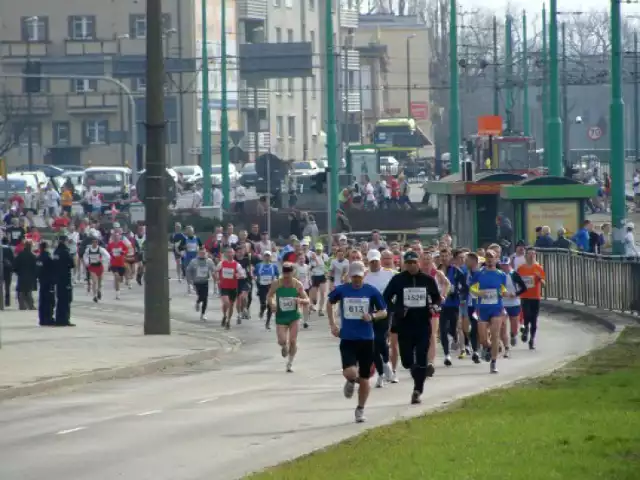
(352, 58)
(349, 18)
(91, 47)
(353, 102)
(92, 102)
(251, 9)
(247, 99)
(264, 142)
(133, 46)
(41, 104)
(21, 50)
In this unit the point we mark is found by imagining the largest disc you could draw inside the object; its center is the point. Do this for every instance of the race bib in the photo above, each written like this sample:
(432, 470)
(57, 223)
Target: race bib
(16, 234)
(94, 258)
(191, 247)
(355, 308)
(529, 281)
(116, 252)
(490, 297)
(176, 245)
(202, 272)
(287, 304)
(415, 297)
(227, 273)
(265, 279)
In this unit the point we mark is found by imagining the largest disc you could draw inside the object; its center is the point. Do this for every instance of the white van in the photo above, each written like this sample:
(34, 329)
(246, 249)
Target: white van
(38, 177)
(113, 183)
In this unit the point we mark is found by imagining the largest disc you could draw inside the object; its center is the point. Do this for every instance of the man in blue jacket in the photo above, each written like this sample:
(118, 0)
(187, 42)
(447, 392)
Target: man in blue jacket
(450, 263)
(581, 237)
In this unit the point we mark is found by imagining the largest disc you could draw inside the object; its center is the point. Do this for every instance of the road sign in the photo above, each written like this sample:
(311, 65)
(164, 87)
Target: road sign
(419, 110)
(236, 136)
(594, 133)
(490, 125)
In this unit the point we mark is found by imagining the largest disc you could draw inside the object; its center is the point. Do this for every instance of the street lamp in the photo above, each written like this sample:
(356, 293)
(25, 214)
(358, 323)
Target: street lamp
(454, 92)
(409, 37)
(31, 32)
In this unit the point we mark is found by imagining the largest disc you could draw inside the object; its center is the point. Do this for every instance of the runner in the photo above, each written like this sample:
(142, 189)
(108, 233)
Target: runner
(338, 269)
(449, 265)
(317, 262)
(516, 286)
(266, 273)
(230, 272)
(303, 275)
(245, 284)
(288, 294)
(490, 287)
(95, 257)
(534, 279)
(177, 240)
(412, 296)
(118, 250)
(380, 278)
(199, 270)
(140, 240)
(360, 305)
(188, 248)
(130, 258)
(387, 261)
(427, 265)
(472, 268)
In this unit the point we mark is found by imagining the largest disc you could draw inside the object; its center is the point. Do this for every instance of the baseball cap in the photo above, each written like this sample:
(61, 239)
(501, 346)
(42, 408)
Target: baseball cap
(505, 261)
(266, 253)
(374, 255)
(411, 257)
(356, 269)
(342, 237)
(304, 243)
(319, 246)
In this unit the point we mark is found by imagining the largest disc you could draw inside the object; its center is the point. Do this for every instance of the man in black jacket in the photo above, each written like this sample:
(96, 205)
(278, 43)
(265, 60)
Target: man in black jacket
(562, 241)
(25, 267)
(7, 270)
(47, 280)
(411, 295)
(63, 264)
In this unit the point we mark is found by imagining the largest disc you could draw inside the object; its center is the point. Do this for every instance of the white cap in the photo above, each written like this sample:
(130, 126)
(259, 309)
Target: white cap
(267, 252)
(304, 243)
(342, 237)
(356, 269)
(374, 255)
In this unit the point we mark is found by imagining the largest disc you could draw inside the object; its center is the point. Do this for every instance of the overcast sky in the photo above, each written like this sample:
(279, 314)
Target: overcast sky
(563, 5)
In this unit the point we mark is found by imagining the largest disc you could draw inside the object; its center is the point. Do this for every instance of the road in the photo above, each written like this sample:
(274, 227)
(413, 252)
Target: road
(225, 419)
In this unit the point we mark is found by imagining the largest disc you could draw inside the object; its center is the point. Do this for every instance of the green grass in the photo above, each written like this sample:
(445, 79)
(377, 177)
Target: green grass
(581, 422)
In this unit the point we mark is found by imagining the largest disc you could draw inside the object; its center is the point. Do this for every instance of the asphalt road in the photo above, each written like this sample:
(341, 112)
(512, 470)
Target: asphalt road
(224, 419)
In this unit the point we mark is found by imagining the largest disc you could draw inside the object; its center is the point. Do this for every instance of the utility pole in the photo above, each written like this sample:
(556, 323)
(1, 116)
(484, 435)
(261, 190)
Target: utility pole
(545, 88)
(156, 288)
(618, 196)
(555, 123)
(224, 120)
(636, 99)
(30, 83)
(509, 73)
(408, 76)
(205, 156)
(454, 94)
(333, 187)
(496, 90)
(565, 100)
(525, 77)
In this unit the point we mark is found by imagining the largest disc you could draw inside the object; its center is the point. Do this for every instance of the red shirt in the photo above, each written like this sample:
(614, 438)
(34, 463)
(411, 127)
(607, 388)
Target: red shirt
(395, 187)
(117, 250)
(17, 199)
(35, 241)
(60, 223)
(228, 274)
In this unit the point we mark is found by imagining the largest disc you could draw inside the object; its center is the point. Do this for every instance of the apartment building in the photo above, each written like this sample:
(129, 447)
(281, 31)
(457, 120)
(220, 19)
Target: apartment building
(76, 118)
(395, 71)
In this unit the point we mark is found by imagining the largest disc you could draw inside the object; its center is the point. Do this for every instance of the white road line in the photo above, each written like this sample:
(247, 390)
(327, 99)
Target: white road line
(150, 412)
(71, 430)
(207, 400)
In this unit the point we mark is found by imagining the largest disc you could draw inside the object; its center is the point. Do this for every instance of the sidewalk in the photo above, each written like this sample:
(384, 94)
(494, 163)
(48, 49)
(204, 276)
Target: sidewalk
(36, 359)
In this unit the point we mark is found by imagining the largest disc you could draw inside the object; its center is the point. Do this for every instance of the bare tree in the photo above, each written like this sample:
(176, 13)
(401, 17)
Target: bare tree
(12, 125)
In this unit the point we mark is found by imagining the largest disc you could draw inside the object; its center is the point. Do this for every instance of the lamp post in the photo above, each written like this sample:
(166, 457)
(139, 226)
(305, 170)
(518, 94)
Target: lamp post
(205, 156)
(525, 77)
(332, 159)
(454, 94)
(566, 126)
(616, 113)
(33, 21)
(555, 122)
(509, 73)
(409, 74)
(224, 120)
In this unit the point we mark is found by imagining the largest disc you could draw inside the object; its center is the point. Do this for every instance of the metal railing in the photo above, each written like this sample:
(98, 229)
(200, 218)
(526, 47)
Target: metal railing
(603, 281)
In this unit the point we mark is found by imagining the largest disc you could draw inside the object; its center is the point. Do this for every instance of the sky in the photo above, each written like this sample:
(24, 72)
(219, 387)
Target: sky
(563, 5)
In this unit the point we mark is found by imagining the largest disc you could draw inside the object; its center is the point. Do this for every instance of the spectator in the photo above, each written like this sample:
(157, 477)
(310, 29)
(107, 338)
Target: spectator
(544, 240)
(636, 189)
(61, 222)
(7, 269)
(241, 197)
(196, 200)
(581, 237)
(30, 201)
(26, 270)
(66, 200)
(311, 229)
(51, 202)
(630, 247)
(16, 200)
(562, 241)
(217, 197)
(342, 222)
(294, 225)
(605, 238)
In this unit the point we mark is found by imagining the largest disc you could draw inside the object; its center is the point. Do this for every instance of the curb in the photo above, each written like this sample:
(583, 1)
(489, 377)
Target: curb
(611, 321)
(117, 373)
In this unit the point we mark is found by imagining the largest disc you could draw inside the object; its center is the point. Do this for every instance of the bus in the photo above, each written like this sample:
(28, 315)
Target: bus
(400, 138)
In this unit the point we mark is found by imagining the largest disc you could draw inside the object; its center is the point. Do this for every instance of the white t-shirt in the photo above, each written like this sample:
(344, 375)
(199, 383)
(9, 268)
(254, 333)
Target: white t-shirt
(318, 265)
(379, 279)
(302, 274)
(368, 190)
(217, 197)
(630, 248)
(51, 198)
(636, 184)
(518, 260)
(338, 270)
(241, 194)
(196, 201)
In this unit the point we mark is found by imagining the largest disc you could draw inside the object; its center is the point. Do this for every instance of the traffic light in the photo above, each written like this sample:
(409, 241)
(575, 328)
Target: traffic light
(33, 84)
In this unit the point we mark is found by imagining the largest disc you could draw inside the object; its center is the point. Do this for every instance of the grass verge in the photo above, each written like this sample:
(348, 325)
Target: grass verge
(581, 422)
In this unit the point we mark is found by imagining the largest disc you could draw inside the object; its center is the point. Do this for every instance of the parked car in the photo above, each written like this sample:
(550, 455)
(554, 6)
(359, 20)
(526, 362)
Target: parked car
(11, 186)
(248, 175)
(304, 169)
(71, 168)
(216, 174)
(172, 173)
(39, 177)
(48, 170)
(191, 175)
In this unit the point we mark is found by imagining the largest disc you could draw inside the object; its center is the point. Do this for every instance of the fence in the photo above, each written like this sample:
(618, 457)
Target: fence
(601, 281)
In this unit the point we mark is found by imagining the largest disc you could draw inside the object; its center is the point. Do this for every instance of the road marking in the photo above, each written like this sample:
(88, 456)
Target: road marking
(71, 430)
(207, 400)
(150, 412)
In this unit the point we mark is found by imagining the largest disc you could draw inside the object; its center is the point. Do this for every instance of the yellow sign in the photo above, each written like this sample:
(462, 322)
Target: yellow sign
(555, 215)
(3, 168)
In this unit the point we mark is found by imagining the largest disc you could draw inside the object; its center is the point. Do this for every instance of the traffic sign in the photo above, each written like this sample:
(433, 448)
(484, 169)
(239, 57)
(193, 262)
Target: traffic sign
(236, 136)
(594, 133)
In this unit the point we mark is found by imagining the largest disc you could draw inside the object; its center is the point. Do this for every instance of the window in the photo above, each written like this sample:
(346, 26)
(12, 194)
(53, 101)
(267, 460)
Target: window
(96, 132)
(36, 131)
(288, 3)
(61, 133)
(314, 86)
(312, 40)
(312, 5)
(35, 29)
(290, 86)
(83, 85)
(140, 84)
(290, 35)
(137, 26)
(276, 3)
(279, 126)
(314, 126)
(291, 127)
(82, 27)
(278, 35)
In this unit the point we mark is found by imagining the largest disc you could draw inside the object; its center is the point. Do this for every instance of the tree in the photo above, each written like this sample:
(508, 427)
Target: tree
(12, 125)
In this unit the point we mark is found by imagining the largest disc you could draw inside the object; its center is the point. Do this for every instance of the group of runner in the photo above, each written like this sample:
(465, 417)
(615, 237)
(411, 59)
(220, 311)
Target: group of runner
(385, 303)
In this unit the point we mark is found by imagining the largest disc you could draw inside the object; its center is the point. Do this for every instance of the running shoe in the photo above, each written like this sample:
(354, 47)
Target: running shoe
(360, 418)
(394, 378)
(475, 357)
(431, 370)
(525, 335)
(493, 368)
(388, 373)
(203, 317)
(380, 382)
(514, 340)
(415, 398)
(447, 360)
(487, 354)
(289, 366)
(349, 388)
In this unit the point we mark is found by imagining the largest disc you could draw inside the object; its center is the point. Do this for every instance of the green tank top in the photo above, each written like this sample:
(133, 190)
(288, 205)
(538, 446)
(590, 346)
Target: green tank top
(287, 310)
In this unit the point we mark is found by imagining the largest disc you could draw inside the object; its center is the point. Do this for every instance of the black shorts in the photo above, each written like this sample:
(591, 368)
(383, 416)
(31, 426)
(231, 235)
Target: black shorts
(394, 324)
(118, 270)
(317, 280)
(357, 352)
(244, 286)
(232, 293)
(67, 208)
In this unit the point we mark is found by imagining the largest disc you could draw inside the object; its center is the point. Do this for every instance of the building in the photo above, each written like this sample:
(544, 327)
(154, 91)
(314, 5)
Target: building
(395, 71)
